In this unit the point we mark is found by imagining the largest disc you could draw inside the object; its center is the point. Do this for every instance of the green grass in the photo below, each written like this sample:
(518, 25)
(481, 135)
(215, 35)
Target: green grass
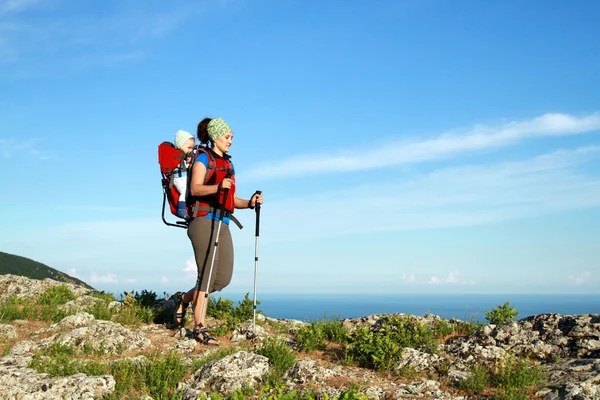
(510, 382)
(316, 335)
(157, 376)
(281, 358)
(224, 310)
(15, 308)
(56, 295)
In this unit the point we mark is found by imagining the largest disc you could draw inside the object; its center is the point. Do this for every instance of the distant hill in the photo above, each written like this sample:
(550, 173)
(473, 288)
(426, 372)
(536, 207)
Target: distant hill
(17, 265)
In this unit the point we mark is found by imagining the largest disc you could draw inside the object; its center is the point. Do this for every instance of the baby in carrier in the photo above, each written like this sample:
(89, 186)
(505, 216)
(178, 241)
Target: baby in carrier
(185, 142)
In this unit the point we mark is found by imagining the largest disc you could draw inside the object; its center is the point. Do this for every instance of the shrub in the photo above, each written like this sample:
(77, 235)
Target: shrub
(100, 311)
(518, 374)
(106, 296)
(231, 316)
(310, 337)
(281, 356)
(478, 381)
(56, 295)
(14, 308)
(512, 378)
(379, 348)
(334, 330)
(501, 314)
(315, 335)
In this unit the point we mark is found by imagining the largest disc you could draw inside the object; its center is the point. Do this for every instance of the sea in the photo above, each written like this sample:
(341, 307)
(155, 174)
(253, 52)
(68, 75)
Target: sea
(466, 307)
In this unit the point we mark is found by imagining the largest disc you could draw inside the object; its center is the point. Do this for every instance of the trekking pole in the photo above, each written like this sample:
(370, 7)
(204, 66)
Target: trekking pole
(257, 209)
(212, 262)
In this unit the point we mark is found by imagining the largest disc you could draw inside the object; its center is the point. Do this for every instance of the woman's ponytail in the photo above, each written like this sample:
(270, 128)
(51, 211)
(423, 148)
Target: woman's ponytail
(203, 132)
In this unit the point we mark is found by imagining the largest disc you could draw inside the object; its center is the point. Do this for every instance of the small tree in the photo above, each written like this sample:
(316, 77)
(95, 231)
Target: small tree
(501, 314)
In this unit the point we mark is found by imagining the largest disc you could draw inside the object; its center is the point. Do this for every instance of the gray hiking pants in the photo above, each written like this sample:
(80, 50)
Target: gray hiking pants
(202, 233)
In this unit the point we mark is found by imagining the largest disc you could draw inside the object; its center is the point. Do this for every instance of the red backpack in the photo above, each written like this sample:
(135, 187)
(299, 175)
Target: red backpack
(170, 159)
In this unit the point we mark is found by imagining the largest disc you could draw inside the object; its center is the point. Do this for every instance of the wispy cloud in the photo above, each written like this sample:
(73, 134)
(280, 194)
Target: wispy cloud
(445, 146)
(10, 148)
(16, 6)
(109, 278)
(581, 279)
(59, 40)
(447, 197)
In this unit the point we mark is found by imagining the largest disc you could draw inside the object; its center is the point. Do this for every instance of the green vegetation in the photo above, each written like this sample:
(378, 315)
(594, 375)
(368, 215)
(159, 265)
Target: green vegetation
(43, 309)
(315, 336)
(156, 376)
(281, 358)
(376, 347)
(501, 314)
(56, 295)
(223, 309)
(379, 349)
(510, 381)
(22, 266)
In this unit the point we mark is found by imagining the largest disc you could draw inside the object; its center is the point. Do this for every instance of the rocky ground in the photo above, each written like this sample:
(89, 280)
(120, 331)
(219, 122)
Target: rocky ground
(566, 346)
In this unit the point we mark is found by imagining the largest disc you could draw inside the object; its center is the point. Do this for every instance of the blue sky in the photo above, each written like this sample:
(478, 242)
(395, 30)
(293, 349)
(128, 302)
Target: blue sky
(402, 146)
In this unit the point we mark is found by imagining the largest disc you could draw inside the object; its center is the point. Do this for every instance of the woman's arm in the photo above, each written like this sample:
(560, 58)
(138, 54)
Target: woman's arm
(242, 203)
(197, 186)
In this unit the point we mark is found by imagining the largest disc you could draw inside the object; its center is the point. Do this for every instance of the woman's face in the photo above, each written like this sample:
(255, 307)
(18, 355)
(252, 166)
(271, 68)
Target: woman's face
(223, 142)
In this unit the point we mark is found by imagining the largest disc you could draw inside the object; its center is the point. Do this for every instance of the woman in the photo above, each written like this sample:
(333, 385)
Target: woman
(211, 193)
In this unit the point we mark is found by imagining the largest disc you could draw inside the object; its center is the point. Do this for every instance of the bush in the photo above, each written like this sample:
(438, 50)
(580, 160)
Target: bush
(501, 314)
(315, 335)
(310, 337)
(281, 356)
(14, 308)
(101, 311)
(512, 378)
(379, 348)
(518, 374)
(56, 295)
(478, 381)
(102, 295)
(223, 309)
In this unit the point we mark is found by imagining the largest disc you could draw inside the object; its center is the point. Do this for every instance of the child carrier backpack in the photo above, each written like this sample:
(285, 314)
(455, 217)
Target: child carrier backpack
(170, 159)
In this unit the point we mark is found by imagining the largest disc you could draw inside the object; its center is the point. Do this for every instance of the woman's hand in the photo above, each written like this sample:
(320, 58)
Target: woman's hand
(225, 184)
(256, 199)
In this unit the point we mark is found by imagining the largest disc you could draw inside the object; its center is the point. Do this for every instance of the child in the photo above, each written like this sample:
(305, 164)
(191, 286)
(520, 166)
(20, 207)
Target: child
(185, 142)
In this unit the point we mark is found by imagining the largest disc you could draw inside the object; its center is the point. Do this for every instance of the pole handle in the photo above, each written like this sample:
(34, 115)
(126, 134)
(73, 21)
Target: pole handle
(257, 210)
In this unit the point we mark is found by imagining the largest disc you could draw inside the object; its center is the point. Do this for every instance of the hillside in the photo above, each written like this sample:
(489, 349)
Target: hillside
(22, 266)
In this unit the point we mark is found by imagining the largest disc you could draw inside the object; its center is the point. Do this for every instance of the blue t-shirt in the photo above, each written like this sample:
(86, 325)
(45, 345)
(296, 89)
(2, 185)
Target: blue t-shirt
(203, 158)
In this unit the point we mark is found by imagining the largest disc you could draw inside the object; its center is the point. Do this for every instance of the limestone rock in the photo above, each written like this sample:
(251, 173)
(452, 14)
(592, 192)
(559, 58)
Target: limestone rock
(27, 384)
(226, 375)
(8, 331)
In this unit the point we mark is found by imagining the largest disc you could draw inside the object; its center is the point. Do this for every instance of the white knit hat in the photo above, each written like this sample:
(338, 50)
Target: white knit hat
(181, 137)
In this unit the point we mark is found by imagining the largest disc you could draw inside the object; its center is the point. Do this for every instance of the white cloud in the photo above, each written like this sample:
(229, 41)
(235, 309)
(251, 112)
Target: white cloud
(15, 6)
(103, 279)
(164, 279)
(452, 279)
(73, 272)
(408, 278)
(581, 279)
(10, 148)
(444, 146)
(190, 268)
(448, 197)
(59, 41)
